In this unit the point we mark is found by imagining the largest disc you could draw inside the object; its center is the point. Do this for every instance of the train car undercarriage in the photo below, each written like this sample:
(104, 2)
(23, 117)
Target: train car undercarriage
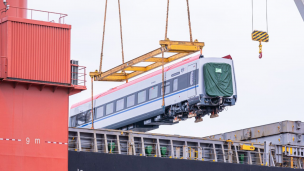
(195, 107)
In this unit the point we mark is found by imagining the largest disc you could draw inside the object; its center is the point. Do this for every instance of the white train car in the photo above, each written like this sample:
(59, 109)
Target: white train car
(194, 87)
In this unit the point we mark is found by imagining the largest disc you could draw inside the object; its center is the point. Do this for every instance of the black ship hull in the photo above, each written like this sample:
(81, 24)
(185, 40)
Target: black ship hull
(89, 161)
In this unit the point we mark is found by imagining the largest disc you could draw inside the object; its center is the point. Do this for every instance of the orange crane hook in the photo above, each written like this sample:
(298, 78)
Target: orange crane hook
(260, 50)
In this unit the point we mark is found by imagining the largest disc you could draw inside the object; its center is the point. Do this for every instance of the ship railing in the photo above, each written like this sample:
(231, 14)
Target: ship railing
(248, 157)
(295, 162)
(178, 147)
(78, 75)
(148, 149)
(35, 14)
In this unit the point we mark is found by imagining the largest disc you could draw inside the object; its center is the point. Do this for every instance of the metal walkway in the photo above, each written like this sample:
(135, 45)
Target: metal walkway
(183, 147)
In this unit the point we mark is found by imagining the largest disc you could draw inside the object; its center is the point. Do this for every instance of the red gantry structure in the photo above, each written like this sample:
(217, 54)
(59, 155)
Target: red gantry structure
(36, 80)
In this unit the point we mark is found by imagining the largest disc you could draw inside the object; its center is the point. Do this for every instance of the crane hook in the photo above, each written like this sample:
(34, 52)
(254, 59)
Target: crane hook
(260, 50)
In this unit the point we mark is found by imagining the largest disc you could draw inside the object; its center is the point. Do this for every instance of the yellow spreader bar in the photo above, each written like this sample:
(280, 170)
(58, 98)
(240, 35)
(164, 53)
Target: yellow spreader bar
(182, 48)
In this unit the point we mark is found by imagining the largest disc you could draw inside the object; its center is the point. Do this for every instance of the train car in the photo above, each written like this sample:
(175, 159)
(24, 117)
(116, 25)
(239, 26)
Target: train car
(194, 87)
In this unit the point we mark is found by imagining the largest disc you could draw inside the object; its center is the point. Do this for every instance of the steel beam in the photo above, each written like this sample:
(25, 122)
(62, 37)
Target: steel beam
(118, 144)
(79, 141)
(99, 76)
(181, 46)
(236, 154)
(260, 157)
(154, 59)
(95, 143)
(105, 144)
(223, 151)
(158, 148)
(185, 152)
(135, 68)
(143, 146)
(172, 149)
(214, 152)
(199, 153)
(182, 49)
(300, 5)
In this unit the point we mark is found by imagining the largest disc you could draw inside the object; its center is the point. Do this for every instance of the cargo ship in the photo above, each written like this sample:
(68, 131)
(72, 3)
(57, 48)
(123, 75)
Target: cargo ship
(275, 146)
(37, 77)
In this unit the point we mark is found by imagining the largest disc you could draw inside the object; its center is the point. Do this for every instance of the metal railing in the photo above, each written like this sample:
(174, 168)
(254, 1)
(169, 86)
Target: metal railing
(179, 147)
(3, 67)
(19, 10)
(78, 75)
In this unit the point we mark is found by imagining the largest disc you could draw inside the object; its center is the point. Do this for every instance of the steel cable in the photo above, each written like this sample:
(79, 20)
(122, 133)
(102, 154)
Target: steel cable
(167, 20)
(122, 51)
(163, 69)
(266, 16)
(189, 22)
(252, 14)
(104, 27)
(92, 103)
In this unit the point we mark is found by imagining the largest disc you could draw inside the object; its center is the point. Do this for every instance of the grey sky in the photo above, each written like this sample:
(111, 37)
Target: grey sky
(269, 89)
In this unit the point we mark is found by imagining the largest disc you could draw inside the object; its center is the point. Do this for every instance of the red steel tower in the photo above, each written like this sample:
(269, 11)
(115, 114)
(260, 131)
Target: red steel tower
(36, 80)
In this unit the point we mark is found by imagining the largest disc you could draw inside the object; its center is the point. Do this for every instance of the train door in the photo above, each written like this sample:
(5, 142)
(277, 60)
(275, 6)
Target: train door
(192, 80)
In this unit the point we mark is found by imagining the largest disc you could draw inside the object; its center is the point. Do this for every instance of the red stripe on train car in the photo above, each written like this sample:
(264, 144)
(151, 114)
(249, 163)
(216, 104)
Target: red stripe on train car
(185, 61)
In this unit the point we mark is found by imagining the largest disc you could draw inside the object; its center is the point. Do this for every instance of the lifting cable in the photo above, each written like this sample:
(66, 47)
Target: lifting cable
(92, 111)
(189, 21)
(100, 64)
(103, 35)
(266, 15)
(260, 36)
(104, 28)
(163, 48)
(101, 54)
(122, 51)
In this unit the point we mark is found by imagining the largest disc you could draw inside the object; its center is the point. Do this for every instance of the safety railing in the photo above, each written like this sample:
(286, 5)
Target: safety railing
(22, 12)
(78, 75)
(178, 147)
(3, 67)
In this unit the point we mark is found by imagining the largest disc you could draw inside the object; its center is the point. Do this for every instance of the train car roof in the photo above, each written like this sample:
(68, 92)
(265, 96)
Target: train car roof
(168, 68)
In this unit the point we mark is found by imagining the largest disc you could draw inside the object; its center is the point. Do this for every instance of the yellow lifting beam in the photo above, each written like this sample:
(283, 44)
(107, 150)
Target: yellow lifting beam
(181, 48)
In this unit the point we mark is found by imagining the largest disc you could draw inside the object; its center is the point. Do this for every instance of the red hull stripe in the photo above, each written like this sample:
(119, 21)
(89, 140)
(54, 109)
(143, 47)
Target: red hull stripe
(168, 68)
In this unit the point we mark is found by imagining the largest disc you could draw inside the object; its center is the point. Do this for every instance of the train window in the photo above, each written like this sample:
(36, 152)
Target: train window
(175, 84)
(120, 104)
(167, 88)
(73, 121)
(191, 78)
(141, 96)
(130, 100)
(99, 112)
(81, 119)
(109, 108)
(88, 116)
(153, 92)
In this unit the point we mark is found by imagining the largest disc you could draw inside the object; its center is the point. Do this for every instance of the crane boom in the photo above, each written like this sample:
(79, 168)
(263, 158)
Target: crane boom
(300, 5)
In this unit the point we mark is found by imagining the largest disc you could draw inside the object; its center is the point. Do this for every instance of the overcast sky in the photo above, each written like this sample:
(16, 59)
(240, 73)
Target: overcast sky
(269, 89)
